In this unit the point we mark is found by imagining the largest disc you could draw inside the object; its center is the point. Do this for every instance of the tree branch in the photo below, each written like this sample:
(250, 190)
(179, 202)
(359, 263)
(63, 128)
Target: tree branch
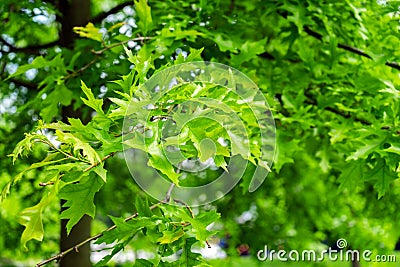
(355, 50)
(101, 16)
(310, 100)
(26, 84)
(59, 256)
(75, 73)
(107, 47)
(33, 49)
(98, 162)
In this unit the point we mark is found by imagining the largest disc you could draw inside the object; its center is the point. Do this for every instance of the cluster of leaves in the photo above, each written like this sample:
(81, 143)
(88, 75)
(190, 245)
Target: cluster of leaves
(175, 229)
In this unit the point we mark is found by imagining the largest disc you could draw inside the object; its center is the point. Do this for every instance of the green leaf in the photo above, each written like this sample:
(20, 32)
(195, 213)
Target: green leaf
(31, 218)
(143, 11)
(50, 106)
(143, 263)
(89, 31)
(100, 171)
(39, 63)
(366, 149)
(171, 236)
(79, 199)
(200, 222)
(393, 149)
(79, 146)
(219, 161)
(284, 151)
(25, 146)
(116, 248)
(383, 177)
(351, 175)
(224, 43)
(207, 149)
(124, 229)
(249, 50)
(92, 102)
(142, 207)
(143, 62)
(189, 258)
(160, 162)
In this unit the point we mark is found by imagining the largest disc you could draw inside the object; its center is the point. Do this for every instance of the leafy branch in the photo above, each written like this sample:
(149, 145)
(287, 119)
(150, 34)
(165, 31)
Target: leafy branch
(85, 170)
(312, 101)
(100, 52)
(69, 156)
(82, 69)
(166, 200)
(349, 48)
(59, 256)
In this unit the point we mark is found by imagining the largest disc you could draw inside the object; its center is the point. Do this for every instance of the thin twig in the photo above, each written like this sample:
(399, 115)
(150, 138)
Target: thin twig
(59, 150)
(98, 162)
(168, 194)
(46, 184)
(85, 170)
(75, 73)
(186, 205)
(108, 47)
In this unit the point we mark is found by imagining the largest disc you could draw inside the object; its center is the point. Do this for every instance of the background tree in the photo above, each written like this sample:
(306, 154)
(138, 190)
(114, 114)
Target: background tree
(329, 72)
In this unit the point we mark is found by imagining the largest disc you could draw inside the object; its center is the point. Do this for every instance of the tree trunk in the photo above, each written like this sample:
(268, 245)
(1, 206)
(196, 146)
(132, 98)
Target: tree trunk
(73, 13)
(355, 263)
(79, 232)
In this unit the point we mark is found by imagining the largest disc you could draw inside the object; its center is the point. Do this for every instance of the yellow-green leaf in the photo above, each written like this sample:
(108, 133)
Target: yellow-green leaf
(170, 236)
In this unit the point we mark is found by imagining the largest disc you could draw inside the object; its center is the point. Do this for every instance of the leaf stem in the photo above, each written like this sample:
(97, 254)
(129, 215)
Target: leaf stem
(59, 150)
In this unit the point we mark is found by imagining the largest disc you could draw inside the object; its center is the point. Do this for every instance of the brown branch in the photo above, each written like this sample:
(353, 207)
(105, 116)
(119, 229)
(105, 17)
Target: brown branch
(312, 101)
(101, 16)
(394, 65)
(355, 50)
(33, 49)
(26, 84)
(98, 162)
(75, 73)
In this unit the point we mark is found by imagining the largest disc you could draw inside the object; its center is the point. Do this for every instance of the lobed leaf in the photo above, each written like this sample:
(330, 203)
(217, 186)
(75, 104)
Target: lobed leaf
(79, 199)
